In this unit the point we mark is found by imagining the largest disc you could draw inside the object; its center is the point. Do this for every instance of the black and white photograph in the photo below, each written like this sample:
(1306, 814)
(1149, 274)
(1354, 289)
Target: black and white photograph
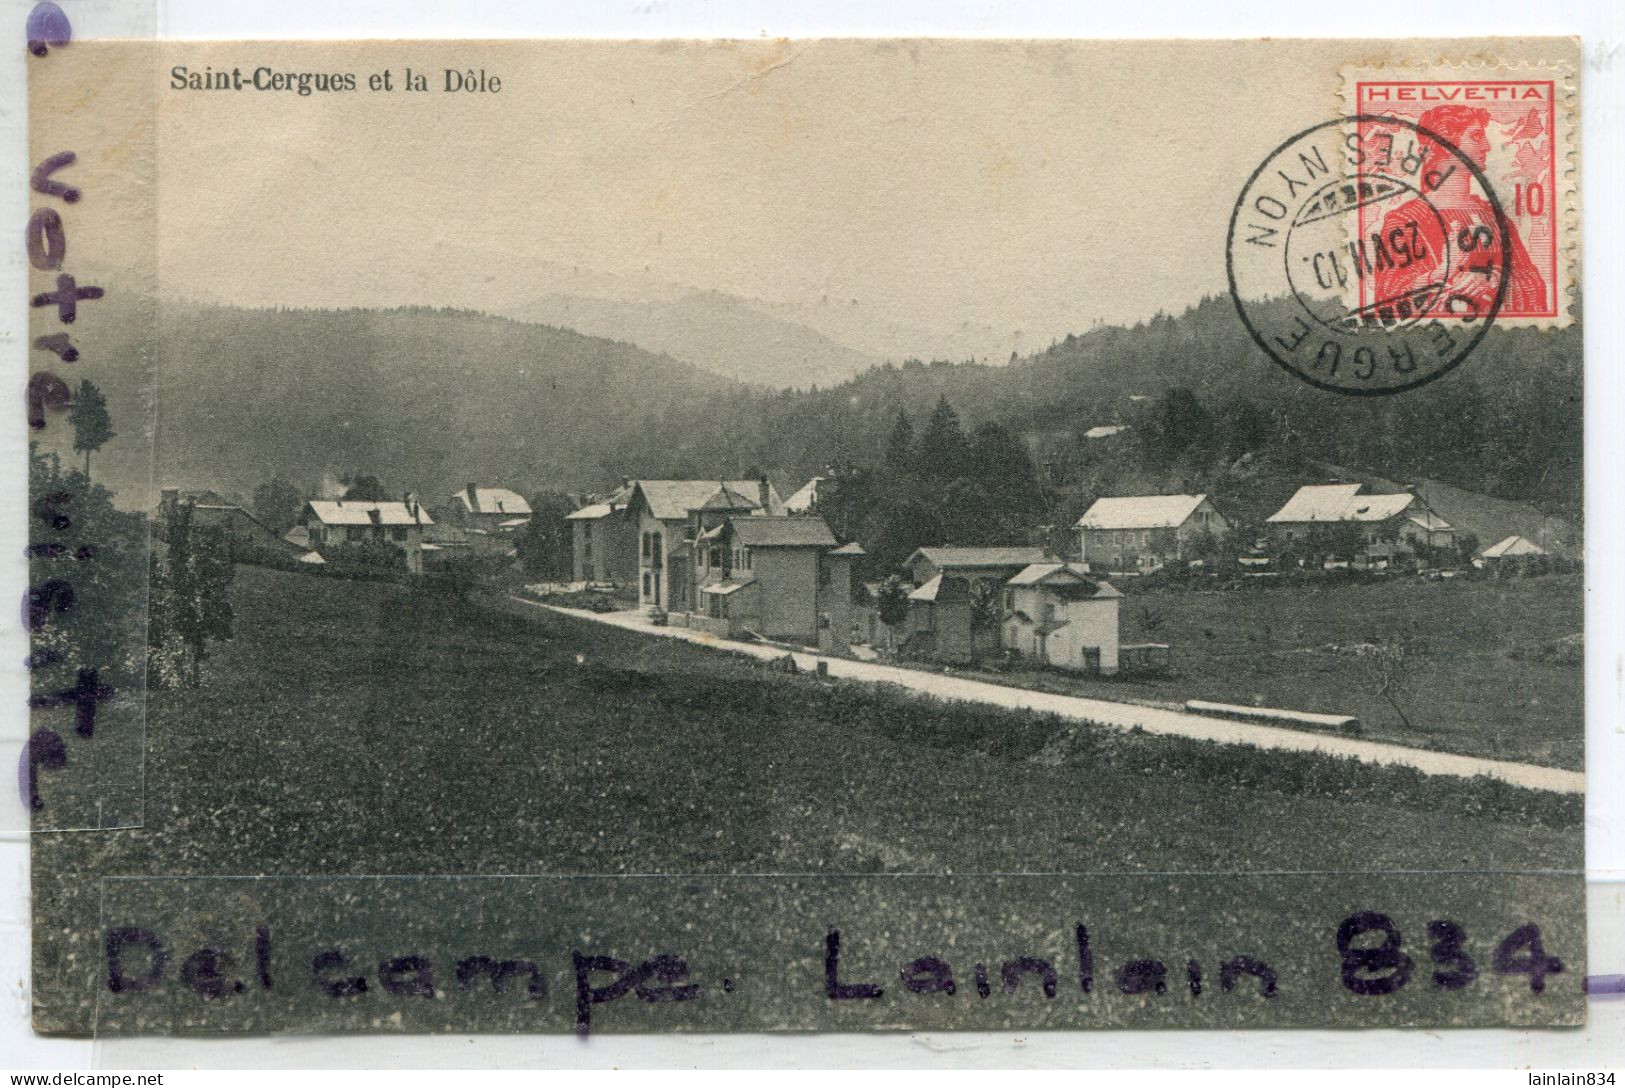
(577, 537)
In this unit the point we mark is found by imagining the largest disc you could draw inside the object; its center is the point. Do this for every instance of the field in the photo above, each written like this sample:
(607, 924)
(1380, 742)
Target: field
(1479, 683)
(366, 728)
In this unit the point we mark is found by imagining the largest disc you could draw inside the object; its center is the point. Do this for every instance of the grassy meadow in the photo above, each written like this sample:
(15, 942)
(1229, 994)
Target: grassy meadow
(365, 725)
(1483, 680)
(372, 728)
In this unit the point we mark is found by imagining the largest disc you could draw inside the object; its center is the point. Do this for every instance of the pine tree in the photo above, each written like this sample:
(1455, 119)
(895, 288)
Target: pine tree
(892, 603)
(943, 449)
(278, 503)
(92, 425)
(900, 446)
(196, 598)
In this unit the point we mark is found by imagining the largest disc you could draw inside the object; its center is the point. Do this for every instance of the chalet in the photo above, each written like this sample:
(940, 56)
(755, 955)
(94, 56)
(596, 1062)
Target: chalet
(1146, 530)
(974, 565)
(667, 516)
(777, 576)
(332, 523)
(1328, 519)
(1058, 614)
(604, 541)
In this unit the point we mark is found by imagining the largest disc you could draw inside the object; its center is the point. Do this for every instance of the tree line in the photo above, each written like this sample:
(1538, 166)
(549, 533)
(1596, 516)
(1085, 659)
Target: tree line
(1507, 422)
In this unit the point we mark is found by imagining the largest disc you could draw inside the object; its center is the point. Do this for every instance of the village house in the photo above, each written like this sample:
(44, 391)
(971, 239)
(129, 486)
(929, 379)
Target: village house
(444, 545)
(209, 510)
(1515, 547)
(780, 577)
(942, 620)
(1329, 520)
(1147, 530)
(489, 517)
(332, 523)
(1060, 615)
(953, 611)
(668, 515)
(604, 541)
(806, 498)
(974, 565)
(487, 508)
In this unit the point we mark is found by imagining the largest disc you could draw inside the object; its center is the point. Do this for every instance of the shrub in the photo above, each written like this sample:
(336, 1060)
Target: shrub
(367, 556)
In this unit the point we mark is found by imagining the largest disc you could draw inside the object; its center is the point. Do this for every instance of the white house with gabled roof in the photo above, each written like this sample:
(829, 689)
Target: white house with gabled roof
(1062, 615)
(488, 508)
(1146, 530)
(332, 523)
(1380, 527)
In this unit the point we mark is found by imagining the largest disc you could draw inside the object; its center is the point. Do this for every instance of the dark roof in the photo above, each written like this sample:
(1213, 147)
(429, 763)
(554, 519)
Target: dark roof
(947, 557)
(782, 532)
(671, 500)
(726, 498)
(199, 496)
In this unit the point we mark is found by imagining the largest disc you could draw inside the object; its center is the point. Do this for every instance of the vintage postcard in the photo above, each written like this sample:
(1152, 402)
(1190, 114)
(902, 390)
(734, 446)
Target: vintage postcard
(805, 535)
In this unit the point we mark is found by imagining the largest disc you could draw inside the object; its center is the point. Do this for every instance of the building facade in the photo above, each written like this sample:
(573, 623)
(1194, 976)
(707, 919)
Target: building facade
(488, 508)
(331, 524)
(604, 544)
(783, 578)
(975, 565)
(1138, 531)
(1060, 615)
(942, 621)
(1343, 521)
(668, 516)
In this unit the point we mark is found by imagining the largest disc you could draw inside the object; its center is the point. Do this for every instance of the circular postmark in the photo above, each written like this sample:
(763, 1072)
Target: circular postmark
(1368, 255)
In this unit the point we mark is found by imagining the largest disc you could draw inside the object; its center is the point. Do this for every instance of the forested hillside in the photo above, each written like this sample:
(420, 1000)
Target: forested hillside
(431, 399)
(423, 399)
(1507, 422)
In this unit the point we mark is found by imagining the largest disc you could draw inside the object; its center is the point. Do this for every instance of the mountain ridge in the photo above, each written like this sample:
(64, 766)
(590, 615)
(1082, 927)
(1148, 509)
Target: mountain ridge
(429, 398)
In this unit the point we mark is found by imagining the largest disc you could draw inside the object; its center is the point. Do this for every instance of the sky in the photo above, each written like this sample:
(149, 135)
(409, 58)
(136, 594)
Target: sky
(1039, 187)
(1033, 186)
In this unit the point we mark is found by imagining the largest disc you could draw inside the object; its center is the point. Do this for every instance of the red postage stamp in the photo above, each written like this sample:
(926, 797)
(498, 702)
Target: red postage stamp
(1513, 125)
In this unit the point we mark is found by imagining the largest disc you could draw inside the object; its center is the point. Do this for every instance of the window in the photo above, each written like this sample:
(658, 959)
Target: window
(645, 545)
(1009, 600)
(398, 533)
(355, 533)
(714, 558)
(654, 548)
(744, 558)
(647, 585)
(1049, 611)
